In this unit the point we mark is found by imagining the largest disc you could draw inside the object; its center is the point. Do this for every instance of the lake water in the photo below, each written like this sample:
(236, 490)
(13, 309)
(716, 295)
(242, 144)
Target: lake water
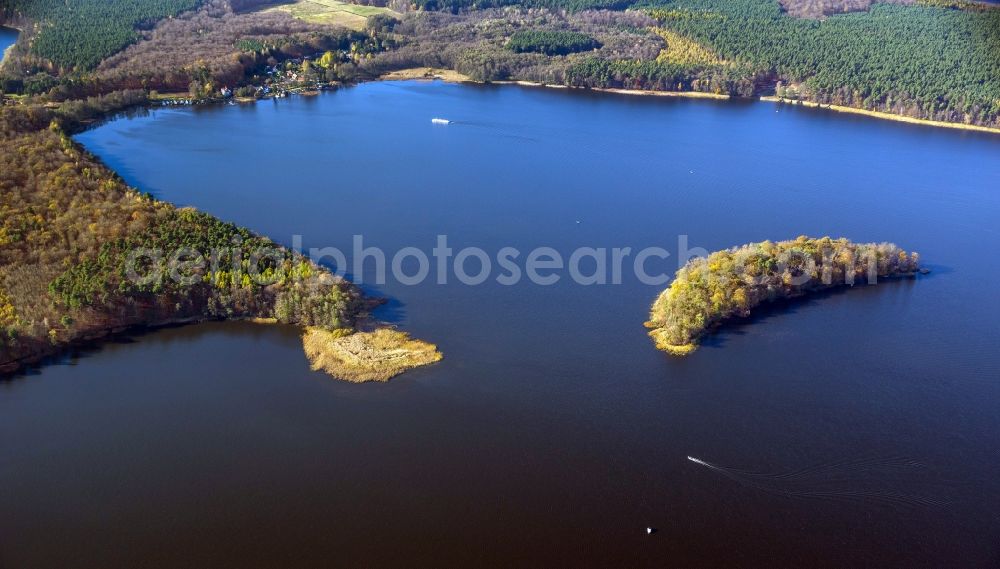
(553, 433)
(8, 37)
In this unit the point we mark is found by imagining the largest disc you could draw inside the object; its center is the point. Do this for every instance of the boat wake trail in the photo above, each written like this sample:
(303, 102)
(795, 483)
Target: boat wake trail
(498, 129)
(837, 481)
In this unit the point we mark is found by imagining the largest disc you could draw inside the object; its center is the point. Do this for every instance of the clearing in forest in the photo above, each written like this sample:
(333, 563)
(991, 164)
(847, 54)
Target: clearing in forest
(332, 12)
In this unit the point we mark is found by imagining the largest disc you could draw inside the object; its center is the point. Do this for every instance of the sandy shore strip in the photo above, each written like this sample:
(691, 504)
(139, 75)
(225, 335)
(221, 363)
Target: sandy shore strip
(881, 115)
(683, 94)
(641, 92)
(427, 73)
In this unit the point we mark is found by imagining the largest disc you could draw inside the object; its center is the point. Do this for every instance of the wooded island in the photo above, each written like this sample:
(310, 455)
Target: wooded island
(707, 292)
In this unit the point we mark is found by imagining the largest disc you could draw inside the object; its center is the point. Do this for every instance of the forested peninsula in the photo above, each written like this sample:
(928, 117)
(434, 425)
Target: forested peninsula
(84, 256)
(729, 284)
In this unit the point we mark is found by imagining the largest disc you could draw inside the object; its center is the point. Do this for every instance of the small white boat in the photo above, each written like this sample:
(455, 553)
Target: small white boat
(440, 121)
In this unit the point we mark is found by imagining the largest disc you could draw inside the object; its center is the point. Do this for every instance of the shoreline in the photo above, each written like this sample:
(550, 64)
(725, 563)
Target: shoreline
(95, 339)
(6, 52)
(613, 90)
(763, 99)
(879, 115)
(451, 76)
(455, 77)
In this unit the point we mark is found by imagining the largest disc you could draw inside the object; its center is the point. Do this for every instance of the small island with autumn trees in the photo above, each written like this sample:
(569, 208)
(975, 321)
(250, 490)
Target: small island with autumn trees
(707, 292)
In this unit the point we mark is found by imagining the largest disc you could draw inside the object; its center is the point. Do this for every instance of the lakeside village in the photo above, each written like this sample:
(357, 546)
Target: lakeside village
(307, 75)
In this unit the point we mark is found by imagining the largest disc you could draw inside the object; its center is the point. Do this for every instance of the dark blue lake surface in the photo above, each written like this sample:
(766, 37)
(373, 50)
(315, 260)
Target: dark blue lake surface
(553, 433)
(8, 37)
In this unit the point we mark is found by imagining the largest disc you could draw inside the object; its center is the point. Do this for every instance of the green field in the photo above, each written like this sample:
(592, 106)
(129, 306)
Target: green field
(332, 12)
